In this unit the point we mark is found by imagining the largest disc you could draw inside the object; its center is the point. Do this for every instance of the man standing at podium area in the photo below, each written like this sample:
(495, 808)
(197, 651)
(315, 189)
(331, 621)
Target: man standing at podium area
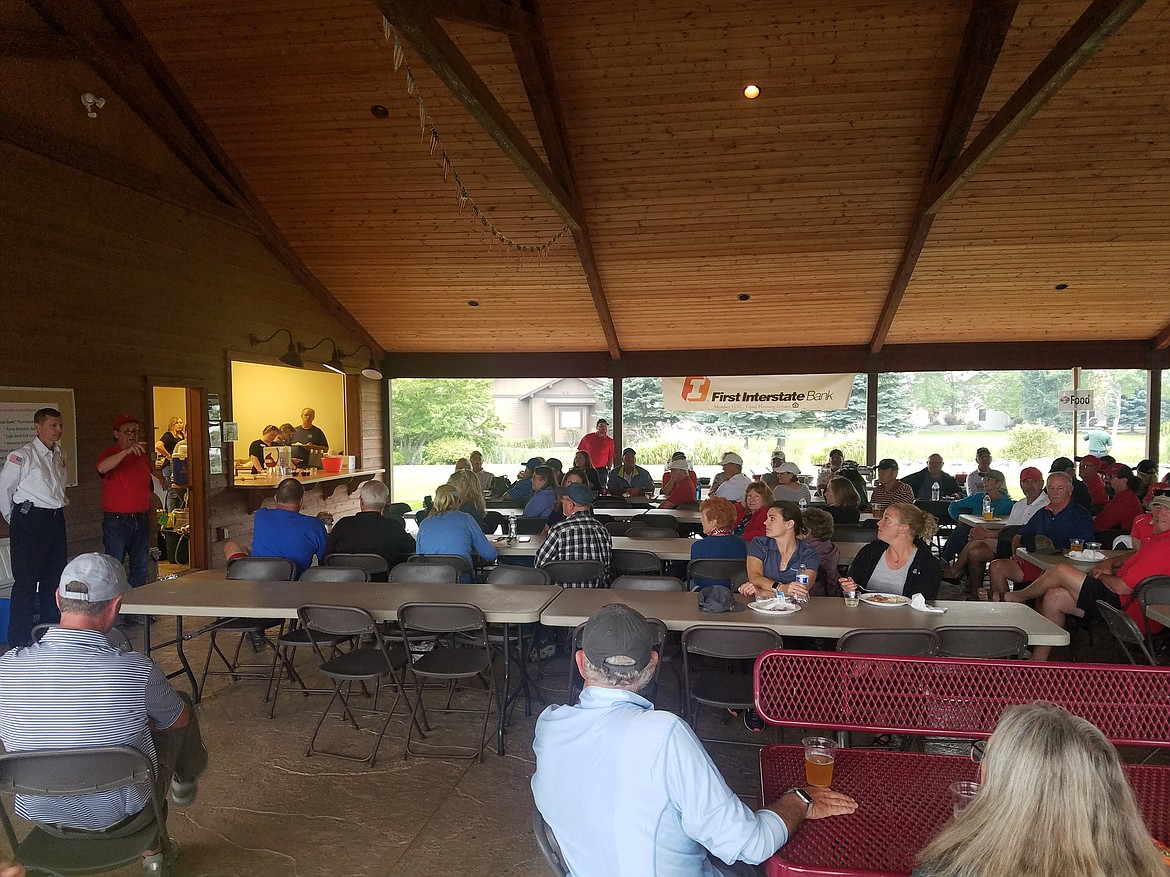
(599, 446)
(127, 486)
(32, 501)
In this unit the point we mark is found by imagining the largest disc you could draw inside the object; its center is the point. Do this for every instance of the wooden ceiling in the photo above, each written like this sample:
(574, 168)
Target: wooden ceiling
(689, 196)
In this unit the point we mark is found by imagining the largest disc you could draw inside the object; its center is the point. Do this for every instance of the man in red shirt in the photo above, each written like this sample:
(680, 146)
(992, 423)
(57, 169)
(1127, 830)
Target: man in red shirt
(1066, 590)
(1090, 472)
(599, 446)
(127, 485)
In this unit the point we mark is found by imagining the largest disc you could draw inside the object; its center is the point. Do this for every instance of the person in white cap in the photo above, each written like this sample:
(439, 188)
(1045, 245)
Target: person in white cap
(73, 690)
(734, 482)
(789, 487)
(628, 789)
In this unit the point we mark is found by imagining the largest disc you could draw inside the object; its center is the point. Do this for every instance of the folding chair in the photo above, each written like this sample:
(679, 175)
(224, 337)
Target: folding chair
(889, 642)
(518, 575)
(467, 657)
(425, 574)
(549, 848)
(618, 528)
(665, 522)
(1125, 631)
(715, 569)
(981, 642)
(717, 686)
(66, 772)
(268, 569)
(456, 560)
(371, 662)
(374, 564)
(1155, 589)
(644, 531)
(575, 573)
(627, 561)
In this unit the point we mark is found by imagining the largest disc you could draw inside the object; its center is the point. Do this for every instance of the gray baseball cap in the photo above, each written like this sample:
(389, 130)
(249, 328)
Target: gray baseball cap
(93, 578)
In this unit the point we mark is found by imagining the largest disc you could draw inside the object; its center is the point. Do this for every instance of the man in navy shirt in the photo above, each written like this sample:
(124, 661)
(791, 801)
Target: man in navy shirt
(1061, 521)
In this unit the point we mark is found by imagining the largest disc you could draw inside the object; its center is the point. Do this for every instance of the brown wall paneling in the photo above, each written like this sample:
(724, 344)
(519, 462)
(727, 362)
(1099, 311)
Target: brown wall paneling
(105, 286)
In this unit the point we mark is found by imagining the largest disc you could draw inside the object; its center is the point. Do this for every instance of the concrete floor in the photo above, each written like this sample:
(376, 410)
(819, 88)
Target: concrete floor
(266, 810)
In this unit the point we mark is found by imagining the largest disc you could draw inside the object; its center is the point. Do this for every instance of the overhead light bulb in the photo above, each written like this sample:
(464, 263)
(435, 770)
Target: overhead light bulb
(751, 92)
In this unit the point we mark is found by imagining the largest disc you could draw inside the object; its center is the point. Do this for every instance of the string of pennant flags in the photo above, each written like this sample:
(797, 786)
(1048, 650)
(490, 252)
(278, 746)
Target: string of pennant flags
(463, 198)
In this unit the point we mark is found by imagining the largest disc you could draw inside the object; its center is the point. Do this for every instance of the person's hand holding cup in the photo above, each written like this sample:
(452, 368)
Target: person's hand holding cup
(849, 589)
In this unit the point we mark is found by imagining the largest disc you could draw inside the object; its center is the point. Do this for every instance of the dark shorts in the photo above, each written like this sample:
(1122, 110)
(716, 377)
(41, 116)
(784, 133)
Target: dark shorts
(1091, 591)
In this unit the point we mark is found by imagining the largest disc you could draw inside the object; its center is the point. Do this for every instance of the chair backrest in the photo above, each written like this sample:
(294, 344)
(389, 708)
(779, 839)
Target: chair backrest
(981, 642)
(441, 618)
(549, 848)
(618, 528)
(740, 578)
(1125, 631)
(424, 574)
(268, 569)
(627, 560)
(730, 641)
(1154, 589)
(889, 642)
(335, 574)
(518, 575)
(574, 572)
(641, 531)
(332, 620)
(719, 568)
(530, 526)
(940, 509)
(666, 522)
(854, 534)
(611, 502)
(647, 583)
(397, 510)
(374, 564)
(456, 560)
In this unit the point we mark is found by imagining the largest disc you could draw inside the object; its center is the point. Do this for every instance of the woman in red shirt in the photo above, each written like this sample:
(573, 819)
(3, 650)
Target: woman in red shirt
(752, 514)
(681, 487)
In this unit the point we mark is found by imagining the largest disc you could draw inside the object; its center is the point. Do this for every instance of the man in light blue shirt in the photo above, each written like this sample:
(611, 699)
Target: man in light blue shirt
(629, 791)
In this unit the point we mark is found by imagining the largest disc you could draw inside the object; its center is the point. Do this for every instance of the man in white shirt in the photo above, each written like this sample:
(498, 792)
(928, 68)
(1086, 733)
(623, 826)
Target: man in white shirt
(980, 549)
(734, 483)
(32, 501)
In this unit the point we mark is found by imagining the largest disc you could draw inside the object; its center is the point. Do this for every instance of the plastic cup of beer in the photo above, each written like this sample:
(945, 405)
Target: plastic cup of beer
(962, 794)
(819, 755)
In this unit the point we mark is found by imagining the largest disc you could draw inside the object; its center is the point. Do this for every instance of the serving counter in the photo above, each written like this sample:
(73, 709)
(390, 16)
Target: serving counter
(257, 488)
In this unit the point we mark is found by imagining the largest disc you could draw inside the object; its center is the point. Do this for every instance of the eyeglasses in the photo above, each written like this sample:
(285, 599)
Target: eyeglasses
(129, 430)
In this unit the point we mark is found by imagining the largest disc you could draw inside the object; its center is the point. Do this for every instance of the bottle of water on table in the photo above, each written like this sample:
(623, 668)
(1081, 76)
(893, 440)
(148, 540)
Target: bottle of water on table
(802, 578)
(935, 490)
(512, 527)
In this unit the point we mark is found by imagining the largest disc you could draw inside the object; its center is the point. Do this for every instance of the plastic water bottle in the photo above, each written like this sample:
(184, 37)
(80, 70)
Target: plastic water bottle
(987, 513)
(698, 490)
(512, 527)
(935, 490)
(801, 579)
(803, 504)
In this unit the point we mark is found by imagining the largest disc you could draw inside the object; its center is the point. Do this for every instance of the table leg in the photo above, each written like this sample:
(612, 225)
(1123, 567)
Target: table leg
(502, 696)
(180, 641)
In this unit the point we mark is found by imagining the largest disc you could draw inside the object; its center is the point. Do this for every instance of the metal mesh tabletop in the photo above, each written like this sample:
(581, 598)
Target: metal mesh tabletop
(903, 801)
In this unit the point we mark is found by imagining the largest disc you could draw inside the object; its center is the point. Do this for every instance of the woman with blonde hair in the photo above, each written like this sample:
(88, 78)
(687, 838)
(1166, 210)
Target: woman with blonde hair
(447, 530)
(900, 560)
(1054, 802)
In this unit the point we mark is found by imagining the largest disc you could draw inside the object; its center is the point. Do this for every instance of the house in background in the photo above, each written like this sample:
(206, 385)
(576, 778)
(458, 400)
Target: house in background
(561, 408)
(988, 418)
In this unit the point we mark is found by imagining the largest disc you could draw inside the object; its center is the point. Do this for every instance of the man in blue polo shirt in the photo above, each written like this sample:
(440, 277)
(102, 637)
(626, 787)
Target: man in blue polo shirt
(630, 479)
(282, 531)
(1061, 521)
(74, 690)
(628, 789)
(521, 491)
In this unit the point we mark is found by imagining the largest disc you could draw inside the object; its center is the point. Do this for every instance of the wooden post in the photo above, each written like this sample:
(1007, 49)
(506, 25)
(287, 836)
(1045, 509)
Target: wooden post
(615, 427)
(1153, 413)
(388, 434)
(1076, 411)
(871, 419)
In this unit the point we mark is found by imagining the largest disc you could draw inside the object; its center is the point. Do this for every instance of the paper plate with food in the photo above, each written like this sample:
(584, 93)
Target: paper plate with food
(885, 599)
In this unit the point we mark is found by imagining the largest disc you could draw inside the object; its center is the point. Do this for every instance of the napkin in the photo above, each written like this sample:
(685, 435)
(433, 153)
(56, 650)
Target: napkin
(1089, 556)
(919, 602)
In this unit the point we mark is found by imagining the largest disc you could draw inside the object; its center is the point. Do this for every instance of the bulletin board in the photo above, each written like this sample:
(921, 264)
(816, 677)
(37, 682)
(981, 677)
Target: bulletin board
(17, 407)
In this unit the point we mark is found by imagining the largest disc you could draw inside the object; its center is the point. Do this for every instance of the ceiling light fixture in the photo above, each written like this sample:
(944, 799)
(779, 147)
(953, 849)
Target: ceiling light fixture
(1061, 287)
(379, 112)
(292, 357)
(751, 91)
(334, 363)
(92, 104)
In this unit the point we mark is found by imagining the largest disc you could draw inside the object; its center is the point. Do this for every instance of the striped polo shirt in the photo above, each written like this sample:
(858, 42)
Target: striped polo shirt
(73, 690)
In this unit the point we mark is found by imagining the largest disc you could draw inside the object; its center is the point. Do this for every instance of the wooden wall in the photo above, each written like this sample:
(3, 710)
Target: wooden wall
(103, 288)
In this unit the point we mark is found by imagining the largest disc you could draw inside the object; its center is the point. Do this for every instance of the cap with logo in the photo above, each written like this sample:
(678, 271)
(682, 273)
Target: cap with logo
(617, 637)
(93, 578)
(1092, 460)
(1030, 473)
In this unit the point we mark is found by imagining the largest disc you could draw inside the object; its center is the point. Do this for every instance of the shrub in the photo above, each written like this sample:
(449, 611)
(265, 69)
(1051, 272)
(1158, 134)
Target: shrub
(852, 446)
(398, 458)
(1030, 440)
(445, 451)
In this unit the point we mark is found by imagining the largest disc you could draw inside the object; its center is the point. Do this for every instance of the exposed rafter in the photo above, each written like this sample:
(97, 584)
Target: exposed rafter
(111, 43)
(1162, 339)
(415, 20)
(1100, 21)
(983, 38)
(497, 15)
(536, 71)
(91, 160)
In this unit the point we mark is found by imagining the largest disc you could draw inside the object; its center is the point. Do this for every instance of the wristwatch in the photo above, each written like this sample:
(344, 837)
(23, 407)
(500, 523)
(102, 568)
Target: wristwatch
(805, 797)
(776, 587)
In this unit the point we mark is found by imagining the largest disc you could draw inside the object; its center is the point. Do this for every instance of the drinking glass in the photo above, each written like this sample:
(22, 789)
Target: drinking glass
(852, 598)
(1076, 544)
(962, 794)
(819, 755)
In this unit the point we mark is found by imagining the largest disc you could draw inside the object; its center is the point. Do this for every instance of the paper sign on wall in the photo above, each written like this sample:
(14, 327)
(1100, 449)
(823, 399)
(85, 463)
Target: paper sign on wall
(757, 393)
(1074, 400)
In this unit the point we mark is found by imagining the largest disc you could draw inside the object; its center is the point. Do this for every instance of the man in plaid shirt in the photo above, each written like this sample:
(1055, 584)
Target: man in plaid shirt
(579, 537)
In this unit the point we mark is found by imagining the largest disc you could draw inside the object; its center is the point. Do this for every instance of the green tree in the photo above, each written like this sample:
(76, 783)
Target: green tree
(949, 393)
(851, 418)
(1133, 411)
(428, 409)
(642, 413)
(1039, 394)
(894, 403)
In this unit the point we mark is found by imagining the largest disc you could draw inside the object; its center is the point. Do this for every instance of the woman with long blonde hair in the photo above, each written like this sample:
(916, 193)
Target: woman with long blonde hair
(1054, 802)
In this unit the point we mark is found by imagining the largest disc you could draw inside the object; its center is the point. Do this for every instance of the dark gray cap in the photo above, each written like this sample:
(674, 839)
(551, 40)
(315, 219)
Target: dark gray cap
(617, 637)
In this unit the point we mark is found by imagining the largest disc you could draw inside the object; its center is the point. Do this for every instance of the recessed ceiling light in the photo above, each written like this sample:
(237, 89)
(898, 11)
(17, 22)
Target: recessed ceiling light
(751, 92)
(743, 296)
(1061, 287)
(473, 303)
(379, 112)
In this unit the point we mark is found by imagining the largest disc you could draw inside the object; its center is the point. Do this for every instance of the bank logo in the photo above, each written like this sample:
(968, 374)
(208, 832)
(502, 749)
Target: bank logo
(695, 389)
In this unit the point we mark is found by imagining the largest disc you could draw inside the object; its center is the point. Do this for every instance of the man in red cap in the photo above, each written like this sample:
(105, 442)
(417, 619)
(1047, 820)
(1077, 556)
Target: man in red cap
(127, 484)
(1090, 472)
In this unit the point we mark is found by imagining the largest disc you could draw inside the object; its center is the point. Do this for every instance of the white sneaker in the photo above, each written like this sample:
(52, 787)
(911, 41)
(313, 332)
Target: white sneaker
(183, 793)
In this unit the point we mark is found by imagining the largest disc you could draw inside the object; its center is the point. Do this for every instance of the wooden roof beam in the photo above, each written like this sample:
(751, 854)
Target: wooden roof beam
(497, 15)
(1100, 21)
(536, 71)
(983, 38)
(37, 44)
(1162, 339)
(415, 20)
(113, 45)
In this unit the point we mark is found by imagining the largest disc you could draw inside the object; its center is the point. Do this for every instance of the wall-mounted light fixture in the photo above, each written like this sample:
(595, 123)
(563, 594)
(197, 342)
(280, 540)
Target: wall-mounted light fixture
(292, 357)
(371, 370)
(334, 363)
(92, 104)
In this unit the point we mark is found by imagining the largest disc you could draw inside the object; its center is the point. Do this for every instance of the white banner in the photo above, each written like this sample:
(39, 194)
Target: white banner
(1072, 400)
(757, 393)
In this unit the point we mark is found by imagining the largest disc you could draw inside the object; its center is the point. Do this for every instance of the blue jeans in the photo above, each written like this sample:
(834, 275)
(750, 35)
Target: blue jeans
(128, 535)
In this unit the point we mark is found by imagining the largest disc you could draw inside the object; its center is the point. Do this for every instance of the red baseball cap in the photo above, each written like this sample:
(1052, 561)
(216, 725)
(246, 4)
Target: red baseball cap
(1031, 472)
(122, 419)
(1092, 460)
